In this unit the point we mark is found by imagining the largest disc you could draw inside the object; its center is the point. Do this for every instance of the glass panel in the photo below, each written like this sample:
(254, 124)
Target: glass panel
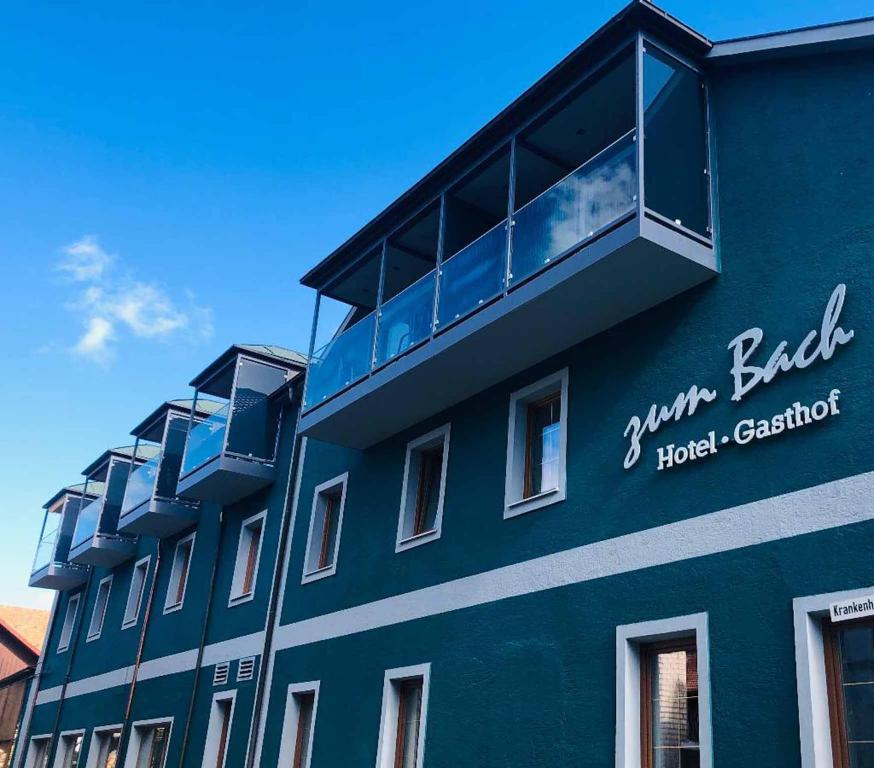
(428, 492)
(141, 484)
(255, 417)
(857, 654)
(45, 549)
(409, 709)
(544, 434)
(675, 142)
(305, 702)
(323, 540)
(859, 709)
(205, 440)
(405, 320)
(574, 209)
(86, 524)
(341, 362)
(473, 276)
(856, 651)
(674, 709)
(862, 755)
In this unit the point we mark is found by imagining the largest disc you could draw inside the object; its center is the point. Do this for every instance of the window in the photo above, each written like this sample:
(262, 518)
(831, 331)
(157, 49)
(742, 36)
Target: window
(69, 622)
(69, 750)
(38, 754)
(135, 595)
(663, 694)
(218, 733)
(179, 574)
(297, 733)
(248, 555)
(423, 489)
(105, 742)
(537, 445)
(404, 710)
(326, 521)
(99, 613)
(148, 744)
(849, 655)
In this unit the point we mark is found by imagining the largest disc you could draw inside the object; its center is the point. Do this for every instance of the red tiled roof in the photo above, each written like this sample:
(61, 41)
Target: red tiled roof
(29, 625)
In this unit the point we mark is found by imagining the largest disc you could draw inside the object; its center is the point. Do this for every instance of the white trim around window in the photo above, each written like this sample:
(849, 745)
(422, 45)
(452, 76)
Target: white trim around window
(37, 748)
(410, 488)
(291, 723)
(96, 744)
(515, 502)
(214, 729)
(239, 594)
(98, 612)
(179, 572)
(385, 753)
(140, 731)
(311, 571)
(70, 614)
(64, 739)
(138, 580)
(813, 705)
(629, 639)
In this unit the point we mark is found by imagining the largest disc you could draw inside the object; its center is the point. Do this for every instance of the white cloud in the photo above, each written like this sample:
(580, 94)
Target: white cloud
(113, 304)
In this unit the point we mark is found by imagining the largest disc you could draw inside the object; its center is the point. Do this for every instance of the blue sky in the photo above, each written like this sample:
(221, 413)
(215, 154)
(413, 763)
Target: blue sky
(168, 171)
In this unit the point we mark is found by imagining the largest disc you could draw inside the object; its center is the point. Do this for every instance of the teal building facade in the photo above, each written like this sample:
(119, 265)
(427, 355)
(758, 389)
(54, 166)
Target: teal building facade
(585, 476)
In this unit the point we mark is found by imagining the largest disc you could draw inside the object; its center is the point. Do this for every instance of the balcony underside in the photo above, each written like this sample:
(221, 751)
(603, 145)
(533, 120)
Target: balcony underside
(61, 576)
(225, 480)
(634, 267)
(159, 518)
(104, 551)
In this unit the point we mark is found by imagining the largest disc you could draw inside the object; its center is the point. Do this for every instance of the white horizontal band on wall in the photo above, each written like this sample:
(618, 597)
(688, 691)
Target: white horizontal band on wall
(829, 505)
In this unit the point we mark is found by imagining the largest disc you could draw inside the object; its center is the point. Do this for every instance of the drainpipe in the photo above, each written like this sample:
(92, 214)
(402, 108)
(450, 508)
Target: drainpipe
(27, 715)
(140, 645)
(294, 395)
(209, 602)
(74, 646)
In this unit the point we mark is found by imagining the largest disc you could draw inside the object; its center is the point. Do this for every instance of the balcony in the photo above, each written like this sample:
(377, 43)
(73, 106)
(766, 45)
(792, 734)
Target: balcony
(232, 452)
(151, 504)
(596, 209)
(51, 567)
(96, 539)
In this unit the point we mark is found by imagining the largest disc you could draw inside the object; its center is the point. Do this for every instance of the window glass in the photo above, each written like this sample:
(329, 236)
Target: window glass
(670, 698)
(72, 751)
(675, 142)
(224, 713)
(851, 672)
(305, 703)
(100, 605)
(135, 595)
(254, 544)
(428, 491)
(542, 445)
(325, 528)
(107, 757)
(409, 714)
(179, 574)
(153, 747)
(69, 621)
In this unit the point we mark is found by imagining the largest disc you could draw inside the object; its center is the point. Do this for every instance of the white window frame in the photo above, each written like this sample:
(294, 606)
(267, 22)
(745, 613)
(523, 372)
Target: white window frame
(410, 490)
(237, 596)
(135, 740)
(813, 706)
(629, 639)
(173, 583)
(61, 751)
(94, 632)
(30, 761)
(69, 625)
(132, 607)
(389, 718)
(290, 723)
(517, 429)
(95, 745)
(341, 481)
(210, 748)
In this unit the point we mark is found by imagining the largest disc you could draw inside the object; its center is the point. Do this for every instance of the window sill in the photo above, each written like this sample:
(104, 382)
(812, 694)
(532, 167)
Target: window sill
(322, 573)
(416, 541)
(172, 608)
(129, 623)
(531, 503)
(240, 599)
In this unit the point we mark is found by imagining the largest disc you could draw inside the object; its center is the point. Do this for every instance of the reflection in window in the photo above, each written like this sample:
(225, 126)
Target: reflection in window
(850, 668)
(670, 705)
(72, 751)
(305, 702)
(409, 718)
(542, 445)
(675, 142)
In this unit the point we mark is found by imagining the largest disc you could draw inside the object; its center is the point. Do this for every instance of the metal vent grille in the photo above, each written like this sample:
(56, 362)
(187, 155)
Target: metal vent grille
(220, 676)
(246, 669)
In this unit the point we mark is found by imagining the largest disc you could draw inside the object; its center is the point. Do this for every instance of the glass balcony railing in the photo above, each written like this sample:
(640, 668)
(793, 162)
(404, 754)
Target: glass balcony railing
(45, 550)
(205, 440)
(343, 361)
(86, 523)
(574, 209)
(595, 196)
(405, 319)
(141, 484)
(473, 276)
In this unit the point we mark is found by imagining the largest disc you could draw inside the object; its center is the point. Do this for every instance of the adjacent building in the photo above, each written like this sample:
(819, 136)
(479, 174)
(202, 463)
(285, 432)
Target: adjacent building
(584, 476)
